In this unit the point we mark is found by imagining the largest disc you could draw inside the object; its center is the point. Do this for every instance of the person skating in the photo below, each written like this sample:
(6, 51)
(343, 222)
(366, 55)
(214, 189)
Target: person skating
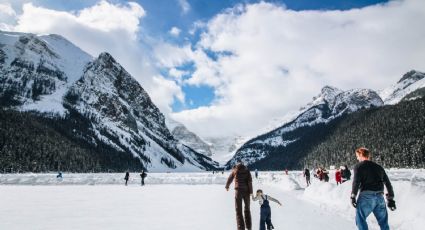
(325, 174)
(243, 189)
(126, 177)
(370, 179)
(345, 174)
(143, 175)
(256, 174)
(338, 177)
(307, 176)
(266, 212)
(59, 176)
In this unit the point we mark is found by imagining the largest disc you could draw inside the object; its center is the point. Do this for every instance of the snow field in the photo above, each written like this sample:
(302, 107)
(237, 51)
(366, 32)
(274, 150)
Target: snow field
(191, 201)
(153, 207)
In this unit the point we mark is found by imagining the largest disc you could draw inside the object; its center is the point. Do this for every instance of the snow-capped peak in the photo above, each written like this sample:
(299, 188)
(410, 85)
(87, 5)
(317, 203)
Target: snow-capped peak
(331, 103)
(410, 82)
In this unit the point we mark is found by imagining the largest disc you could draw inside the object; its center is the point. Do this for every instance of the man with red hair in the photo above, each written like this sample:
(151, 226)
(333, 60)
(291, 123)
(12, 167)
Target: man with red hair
(369, 178)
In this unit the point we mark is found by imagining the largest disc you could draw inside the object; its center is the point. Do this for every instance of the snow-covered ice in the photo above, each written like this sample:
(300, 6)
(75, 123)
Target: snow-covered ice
(190, 201)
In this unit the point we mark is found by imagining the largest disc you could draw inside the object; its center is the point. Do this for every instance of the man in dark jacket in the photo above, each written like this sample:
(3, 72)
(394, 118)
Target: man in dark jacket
(370, 178)
(126, 177)
(143, 175)
(307, 176)
(345, 174)
(243, 190)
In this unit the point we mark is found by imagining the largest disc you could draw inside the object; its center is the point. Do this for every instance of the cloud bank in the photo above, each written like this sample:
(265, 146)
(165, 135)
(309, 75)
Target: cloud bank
(269, 60)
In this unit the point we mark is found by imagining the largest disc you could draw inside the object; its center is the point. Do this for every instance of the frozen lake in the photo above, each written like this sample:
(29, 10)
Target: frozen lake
(188, 201)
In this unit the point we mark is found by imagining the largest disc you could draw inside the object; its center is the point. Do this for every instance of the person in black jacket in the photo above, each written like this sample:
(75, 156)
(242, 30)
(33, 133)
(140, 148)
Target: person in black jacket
(126, 177)
(143, 175)
(346, 174)
(370, 178)
(307, 176)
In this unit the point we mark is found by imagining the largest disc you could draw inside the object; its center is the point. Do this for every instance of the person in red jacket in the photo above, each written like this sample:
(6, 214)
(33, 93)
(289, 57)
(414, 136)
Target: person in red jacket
(338, 176)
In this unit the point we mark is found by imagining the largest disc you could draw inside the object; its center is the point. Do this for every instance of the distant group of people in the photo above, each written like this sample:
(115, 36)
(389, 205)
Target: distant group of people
(143, 175)
(342, 175)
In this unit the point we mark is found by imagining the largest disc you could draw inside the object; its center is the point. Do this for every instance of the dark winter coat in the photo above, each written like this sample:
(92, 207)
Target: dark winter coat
(369, 176)
(143, 175)
(243, 179)
(346, 174)
(306, 173)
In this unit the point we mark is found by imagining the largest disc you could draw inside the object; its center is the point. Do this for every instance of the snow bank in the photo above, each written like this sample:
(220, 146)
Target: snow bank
(409, 188)
(274, 179)
(111, 178)
(279, 180)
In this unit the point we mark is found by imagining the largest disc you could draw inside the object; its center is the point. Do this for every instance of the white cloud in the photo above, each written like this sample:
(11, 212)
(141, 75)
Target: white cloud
(7, 16)
(281, 58)
(6, 8)
(175, 31)
(168, 55)
(102, 17)
(165, 93)
(104, 27)
(177, 74)
(184, 5)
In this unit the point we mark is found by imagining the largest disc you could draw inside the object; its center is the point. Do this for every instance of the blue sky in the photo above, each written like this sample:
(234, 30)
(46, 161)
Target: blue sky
(227, 68)
(165, 14)
(162, 15)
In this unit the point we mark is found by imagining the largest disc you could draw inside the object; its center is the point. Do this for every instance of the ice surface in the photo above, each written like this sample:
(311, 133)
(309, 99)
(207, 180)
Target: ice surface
(191, 201)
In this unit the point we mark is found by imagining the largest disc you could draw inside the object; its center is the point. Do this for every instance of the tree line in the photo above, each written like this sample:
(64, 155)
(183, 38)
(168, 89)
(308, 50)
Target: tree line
(34, 142)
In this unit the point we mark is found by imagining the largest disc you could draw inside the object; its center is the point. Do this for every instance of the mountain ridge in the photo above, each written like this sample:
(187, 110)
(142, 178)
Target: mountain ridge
(329, 105)
(37, 73)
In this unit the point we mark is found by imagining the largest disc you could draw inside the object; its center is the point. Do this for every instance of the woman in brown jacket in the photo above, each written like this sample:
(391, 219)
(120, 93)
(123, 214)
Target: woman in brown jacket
(243, 190)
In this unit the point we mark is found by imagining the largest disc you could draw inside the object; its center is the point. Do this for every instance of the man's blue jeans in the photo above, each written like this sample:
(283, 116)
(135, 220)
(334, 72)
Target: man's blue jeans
(368, 202)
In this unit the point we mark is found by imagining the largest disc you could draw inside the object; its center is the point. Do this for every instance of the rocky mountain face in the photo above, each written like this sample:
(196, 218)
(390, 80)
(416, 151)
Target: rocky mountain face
(35, 66)
(50, 74)
(330, 104)
(181, 133)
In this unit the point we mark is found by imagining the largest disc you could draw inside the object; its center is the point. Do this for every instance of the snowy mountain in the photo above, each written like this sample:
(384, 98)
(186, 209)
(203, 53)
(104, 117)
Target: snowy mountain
(410, 82)
(330, 104)
(50, 74)
(35, 71)
(224, 148)
(188, 138)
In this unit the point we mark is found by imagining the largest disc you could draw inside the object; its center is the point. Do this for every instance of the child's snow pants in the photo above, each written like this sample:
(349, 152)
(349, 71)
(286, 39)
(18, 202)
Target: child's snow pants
(265, 216)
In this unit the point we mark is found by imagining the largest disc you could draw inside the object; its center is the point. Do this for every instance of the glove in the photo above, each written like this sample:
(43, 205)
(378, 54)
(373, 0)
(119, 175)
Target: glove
(353, 201)
(391, 203)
